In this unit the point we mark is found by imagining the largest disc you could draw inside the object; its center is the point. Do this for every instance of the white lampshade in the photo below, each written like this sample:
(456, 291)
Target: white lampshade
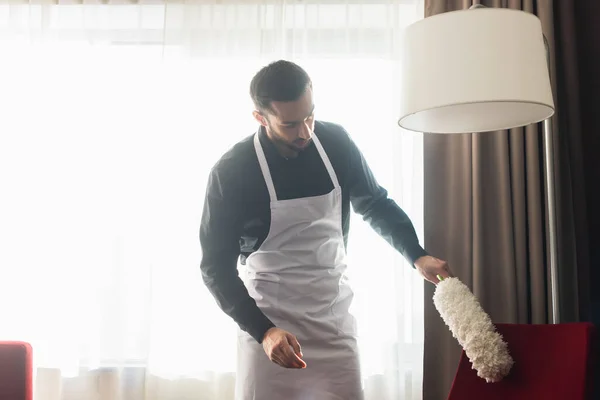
(474, 70)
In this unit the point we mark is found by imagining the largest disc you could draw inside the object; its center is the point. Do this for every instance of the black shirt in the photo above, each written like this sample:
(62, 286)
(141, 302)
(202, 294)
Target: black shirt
(236, 215)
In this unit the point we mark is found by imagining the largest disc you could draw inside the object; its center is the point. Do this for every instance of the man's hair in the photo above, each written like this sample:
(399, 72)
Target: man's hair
(279, 81)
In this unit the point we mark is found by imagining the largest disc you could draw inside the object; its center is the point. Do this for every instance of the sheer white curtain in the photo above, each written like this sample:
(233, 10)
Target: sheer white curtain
(112, 115)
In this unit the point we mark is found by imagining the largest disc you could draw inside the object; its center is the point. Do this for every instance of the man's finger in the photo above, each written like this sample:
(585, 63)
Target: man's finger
(280, 357)
(431, 277)
(292, 360)
(444, 271)
(293, 342)
(295, 345)
(277, 360)
(301, 363)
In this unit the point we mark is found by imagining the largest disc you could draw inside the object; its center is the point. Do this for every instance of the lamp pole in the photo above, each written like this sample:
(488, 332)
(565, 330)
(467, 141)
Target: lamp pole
(550, 200)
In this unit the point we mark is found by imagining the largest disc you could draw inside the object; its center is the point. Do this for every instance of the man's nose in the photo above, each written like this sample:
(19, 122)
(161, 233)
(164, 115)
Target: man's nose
(305, 131)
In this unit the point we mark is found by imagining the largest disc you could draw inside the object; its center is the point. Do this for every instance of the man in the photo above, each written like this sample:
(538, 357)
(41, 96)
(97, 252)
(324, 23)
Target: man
(281, 199)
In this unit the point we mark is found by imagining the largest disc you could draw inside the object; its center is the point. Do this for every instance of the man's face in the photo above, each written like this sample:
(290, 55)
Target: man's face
(290, 125)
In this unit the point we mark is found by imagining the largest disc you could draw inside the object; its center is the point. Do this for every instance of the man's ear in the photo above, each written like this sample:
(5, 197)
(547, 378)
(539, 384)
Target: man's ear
(259, 117)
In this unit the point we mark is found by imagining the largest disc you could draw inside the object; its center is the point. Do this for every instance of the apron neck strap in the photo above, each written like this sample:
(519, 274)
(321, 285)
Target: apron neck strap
(264, 166)
(325, 158)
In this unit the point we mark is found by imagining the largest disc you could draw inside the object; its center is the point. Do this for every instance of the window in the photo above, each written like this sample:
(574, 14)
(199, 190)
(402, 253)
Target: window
(114, 115)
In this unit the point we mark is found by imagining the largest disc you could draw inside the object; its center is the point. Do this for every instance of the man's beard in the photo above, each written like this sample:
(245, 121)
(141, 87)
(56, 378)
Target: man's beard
(291, 149)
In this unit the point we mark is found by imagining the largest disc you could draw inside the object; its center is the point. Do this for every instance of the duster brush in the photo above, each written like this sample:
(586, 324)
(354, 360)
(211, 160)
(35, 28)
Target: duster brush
(473, 329)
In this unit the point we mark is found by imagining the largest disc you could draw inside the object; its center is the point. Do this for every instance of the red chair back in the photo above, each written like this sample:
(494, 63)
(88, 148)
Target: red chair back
(552, 362)
(16, 371)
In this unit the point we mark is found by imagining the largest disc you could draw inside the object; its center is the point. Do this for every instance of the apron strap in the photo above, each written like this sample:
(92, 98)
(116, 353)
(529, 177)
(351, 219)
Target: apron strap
(325, 158)
(264, 166)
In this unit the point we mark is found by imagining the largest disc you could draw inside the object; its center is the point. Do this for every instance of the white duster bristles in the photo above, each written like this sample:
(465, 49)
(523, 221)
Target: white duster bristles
(473, 329)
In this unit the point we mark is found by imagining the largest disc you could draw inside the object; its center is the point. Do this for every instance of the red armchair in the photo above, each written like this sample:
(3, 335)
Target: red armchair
(552, 362)
(16, 371)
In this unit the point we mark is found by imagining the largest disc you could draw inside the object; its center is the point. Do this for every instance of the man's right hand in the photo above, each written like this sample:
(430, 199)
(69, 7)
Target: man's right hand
(283, 348)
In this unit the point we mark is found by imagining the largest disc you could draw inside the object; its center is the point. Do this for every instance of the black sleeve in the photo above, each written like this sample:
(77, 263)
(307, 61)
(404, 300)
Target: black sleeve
(219, 240)
(371, 201)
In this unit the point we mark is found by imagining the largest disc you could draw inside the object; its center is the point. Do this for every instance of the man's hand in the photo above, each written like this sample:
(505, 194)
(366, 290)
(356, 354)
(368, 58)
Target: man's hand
(283, 348)
(431, 267)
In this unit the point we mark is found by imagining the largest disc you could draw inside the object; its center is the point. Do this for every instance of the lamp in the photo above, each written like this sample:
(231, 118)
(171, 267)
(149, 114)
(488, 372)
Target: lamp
(481, 70)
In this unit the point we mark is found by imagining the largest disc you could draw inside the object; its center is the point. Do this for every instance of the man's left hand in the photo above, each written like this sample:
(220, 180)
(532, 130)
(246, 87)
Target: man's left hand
(430, 267)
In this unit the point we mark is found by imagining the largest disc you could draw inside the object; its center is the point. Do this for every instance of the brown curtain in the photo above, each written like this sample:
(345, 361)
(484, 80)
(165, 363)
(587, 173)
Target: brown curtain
(485, 212)
(577, 25)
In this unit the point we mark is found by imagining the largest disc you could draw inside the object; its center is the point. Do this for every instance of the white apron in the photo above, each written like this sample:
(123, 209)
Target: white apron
(297, 278)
